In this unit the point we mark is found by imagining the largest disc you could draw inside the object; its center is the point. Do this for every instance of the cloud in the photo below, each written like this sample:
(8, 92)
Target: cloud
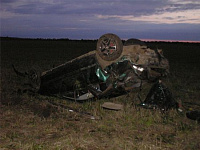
(117, 7)
(59, 17)
(184, 2)
(187, 16)
(145, 11)
(8, 1)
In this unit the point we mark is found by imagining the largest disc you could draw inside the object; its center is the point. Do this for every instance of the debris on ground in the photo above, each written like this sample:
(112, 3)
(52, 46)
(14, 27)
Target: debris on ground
(160, 97)
(112, 106)
(194, 115)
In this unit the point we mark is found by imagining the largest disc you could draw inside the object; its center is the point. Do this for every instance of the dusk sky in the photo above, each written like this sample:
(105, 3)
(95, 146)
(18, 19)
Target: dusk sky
(89, 19)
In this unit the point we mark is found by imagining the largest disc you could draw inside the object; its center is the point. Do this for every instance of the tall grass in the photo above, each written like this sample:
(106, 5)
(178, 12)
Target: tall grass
(32, 122)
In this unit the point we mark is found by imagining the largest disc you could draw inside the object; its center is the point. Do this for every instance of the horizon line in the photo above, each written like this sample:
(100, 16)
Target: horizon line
(157, 40)
(144, 40)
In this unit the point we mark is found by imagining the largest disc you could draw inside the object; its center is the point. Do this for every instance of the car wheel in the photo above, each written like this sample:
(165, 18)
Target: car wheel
(134, 42)
(109, 47)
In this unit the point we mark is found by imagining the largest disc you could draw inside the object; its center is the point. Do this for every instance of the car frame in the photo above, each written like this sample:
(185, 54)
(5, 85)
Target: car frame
(112, 69)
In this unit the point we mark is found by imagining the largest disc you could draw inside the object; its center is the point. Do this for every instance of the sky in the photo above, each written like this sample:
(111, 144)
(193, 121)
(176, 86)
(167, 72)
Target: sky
(89, 19)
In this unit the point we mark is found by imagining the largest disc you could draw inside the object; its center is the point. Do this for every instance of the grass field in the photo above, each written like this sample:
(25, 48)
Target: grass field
(32, 122)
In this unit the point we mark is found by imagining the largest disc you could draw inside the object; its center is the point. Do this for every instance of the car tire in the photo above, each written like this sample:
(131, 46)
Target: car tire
(109, 47)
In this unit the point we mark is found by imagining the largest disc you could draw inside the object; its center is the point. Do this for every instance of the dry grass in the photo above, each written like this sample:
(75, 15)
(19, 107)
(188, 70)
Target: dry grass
(32, 122)
(25, 127)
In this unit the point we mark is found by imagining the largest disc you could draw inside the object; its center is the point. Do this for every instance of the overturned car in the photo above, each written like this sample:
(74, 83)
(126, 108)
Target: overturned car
(112, 69)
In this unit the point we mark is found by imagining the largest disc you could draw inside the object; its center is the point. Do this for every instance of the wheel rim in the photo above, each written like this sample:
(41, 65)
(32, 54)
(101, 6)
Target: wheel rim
(108, 47)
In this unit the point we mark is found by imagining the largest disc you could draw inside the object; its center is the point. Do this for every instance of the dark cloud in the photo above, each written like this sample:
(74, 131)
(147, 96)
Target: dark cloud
(118, 7)
(169, 18)
(87, 7)
(180, 7)
(27, 9)
(78, 18)
(8, 1)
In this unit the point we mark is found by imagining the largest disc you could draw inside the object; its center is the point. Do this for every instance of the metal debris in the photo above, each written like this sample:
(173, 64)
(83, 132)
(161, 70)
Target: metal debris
(112, 106)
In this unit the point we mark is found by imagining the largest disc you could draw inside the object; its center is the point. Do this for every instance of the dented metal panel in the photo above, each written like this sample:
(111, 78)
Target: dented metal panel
(111, 68)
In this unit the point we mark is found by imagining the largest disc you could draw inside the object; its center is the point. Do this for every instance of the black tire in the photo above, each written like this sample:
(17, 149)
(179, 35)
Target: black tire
(109, 47)
(134, 42)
